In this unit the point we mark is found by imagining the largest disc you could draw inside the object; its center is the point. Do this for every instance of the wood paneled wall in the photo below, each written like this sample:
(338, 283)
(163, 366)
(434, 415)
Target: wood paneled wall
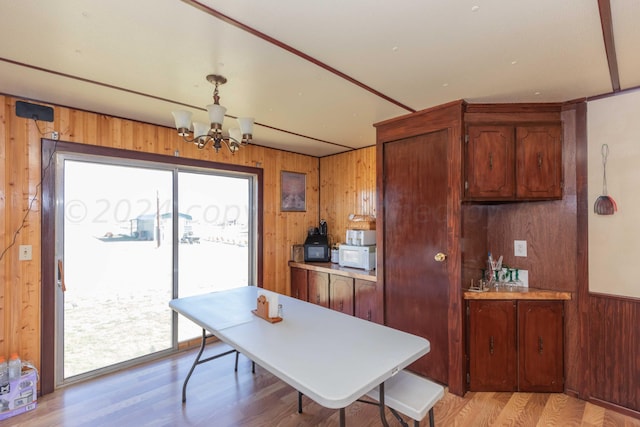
(20, 165)
(615, 350)
(347, 186)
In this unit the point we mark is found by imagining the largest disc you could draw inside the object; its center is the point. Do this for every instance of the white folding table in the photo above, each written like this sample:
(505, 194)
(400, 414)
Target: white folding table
(330, 357)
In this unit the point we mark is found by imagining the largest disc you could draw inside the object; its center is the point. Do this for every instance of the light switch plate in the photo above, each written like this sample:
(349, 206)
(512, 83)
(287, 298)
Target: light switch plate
(520, 248)
(26, 253)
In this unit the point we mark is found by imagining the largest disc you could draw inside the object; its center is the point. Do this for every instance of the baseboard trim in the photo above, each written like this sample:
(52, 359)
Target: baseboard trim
(621, 409)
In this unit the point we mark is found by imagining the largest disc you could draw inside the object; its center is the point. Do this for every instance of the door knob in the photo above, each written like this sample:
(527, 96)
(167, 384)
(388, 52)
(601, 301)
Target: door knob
(440, 257)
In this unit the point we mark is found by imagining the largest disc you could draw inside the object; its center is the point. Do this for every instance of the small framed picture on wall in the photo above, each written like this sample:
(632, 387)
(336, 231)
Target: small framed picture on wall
(293, 192)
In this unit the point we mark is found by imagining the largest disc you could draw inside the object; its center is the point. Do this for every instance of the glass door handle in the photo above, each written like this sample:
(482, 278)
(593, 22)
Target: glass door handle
(61, 284)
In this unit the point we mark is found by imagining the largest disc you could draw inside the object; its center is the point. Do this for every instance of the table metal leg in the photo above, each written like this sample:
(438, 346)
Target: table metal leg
(198, 361)
(383, 416)
(342, 418)
(299, 402)
(253, 364)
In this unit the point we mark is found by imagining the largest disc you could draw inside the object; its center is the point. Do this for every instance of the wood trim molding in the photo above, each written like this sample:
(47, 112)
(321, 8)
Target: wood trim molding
(582, 255)
(609, 44)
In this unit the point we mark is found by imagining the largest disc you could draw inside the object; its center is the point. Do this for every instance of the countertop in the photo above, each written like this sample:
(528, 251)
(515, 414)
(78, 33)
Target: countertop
(516, 293)
(331, 268)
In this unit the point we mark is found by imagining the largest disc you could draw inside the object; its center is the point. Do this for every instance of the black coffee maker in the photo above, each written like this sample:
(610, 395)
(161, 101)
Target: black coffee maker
(316, 246)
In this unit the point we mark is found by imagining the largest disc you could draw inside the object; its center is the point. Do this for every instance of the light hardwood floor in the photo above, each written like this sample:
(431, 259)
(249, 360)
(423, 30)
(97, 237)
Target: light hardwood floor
(150, 395)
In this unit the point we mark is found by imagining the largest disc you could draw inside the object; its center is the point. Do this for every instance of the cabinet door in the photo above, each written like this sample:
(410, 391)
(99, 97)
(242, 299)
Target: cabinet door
(539, 162)
(540, 346)
(490, 162)
(492, 346)
(299, 283)
(319, 288)
(369, 301)
(341, 294)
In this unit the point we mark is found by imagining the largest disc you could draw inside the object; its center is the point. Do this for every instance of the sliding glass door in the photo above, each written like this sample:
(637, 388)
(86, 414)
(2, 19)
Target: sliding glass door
(214, 232)
(132, 235)
(117, 258)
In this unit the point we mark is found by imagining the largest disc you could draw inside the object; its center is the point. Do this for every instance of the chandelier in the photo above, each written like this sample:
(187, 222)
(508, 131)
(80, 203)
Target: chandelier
(204, 133)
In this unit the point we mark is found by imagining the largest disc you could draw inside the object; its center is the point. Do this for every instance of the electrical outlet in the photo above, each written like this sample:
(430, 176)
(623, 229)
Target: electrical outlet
(26, 253)
(520, 248)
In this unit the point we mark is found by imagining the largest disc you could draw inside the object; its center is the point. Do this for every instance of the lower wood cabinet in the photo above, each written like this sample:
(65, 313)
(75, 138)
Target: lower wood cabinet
(319, 288)
(341, 292)
(515, 345)
(541, 346)
(492, 346)
(299, 284)
(369, 301)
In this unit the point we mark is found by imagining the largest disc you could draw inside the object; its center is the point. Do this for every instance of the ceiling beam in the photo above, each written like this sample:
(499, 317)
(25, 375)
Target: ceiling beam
(217, 14)
(609, 44)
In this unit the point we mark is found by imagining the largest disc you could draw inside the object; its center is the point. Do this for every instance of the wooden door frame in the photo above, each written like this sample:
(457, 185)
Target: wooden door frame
(48, 266)
(445, 117)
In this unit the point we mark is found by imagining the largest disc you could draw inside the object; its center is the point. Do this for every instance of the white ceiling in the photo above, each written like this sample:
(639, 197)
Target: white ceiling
(141, 59)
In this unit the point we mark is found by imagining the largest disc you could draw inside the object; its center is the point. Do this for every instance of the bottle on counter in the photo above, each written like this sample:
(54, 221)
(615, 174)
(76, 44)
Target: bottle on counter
(15, 367)
(4, 373)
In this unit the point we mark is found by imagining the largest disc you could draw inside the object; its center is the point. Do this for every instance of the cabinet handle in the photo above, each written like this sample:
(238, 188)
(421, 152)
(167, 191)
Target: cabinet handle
(491, 345)
(297, 296)
(369, 314)
(341, 306)
(490, 161)
(539, 160)
(540, 345)
(318, 299)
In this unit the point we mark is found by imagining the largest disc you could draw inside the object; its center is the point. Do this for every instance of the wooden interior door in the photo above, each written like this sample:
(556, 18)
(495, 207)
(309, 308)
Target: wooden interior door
(415, 230)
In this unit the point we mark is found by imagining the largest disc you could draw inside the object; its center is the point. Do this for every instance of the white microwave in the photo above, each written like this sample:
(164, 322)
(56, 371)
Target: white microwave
(357, 256)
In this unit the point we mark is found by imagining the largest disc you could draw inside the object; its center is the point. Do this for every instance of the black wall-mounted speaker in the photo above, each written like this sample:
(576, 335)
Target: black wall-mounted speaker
(34, 111)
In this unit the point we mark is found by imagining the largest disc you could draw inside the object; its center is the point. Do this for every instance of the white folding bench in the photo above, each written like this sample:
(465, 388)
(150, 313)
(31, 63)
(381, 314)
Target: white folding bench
(410, 395)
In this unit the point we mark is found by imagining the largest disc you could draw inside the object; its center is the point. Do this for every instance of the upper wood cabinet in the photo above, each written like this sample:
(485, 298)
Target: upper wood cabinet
(513, 162)
(490, 162)
(539, 162)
